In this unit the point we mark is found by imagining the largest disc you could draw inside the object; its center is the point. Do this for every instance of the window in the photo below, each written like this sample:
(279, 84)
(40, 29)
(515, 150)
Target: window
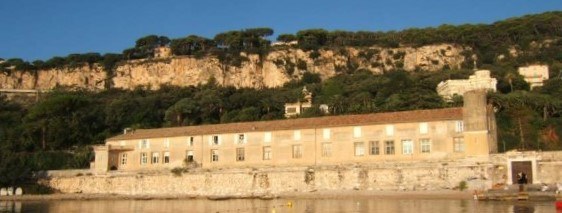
(155, 157)
(291, 109)
(424, 129)
(389, 130)
(214, 155)
(166, 157)
(326, 149)
(215, 140)
(143, 158)
(425, 145)
(326, 134)
(189, 156)
(124, 159)
(240, 139)
(144, 144)
(407, 147)
(267, 153)
(389, 147)
(267, 137)
(357, 132)
(190, 141)
(359, 148)
(374, 148)
(459, 126)
(297, 135)
(167, 143)
(458, 144)
(240, 154)
(297, 151)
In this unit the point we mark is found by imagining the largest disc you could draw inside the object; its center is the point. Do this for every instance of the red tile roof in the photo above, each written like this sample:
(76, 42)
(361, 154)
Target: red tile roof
(300, 123)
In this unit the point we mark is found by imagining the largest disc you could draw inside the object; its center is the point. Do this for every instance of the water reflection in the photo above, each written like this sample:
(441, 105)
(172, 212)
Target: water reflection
(277, 206)
(10, 206)
(523, 209)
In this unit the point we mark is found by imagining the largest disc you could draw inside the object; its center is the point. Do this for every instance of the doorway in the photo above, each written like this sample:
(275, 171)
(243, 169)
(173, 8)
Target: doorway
(522, 166)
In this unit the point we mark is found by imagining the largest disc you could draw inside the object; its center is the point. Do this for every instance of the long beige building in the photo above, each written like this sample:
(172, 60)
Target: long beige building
(331, 140)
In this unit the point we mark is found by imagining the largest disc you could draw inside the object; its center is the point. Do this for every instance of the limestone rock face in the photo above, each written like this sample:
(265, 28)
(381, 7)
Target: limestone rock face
(17, 80)
(272, 70)
(87, 77)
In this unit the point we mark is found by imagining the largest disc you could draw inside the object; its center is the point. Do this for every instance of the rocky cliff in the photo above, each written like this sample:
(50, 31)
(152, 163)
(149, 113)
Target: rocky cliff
(273, 70)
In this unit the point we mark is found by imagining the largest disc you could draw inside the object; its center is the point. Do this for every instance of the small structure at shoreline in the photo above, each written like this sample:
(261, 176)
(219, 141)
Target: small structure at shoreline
(11, 191)
(19, 191)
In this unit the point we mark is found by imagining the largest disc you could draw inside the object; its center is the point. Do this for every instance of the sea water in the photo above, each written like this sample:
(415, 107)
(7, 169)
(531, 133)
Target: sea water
(277, 205)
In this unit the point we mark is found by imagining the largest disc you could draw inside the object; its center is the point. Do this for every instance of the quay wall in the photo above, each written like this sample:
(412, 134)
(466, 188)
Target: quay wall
(263, 181)
(478, 174)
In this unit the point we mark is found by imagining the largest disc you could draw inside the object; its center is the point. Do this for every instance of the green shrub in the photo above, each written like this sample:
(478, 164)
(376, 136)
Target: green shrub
(178, 171)
(35, 188)
(314, 54)
(301, 65)
(399, 55)
(462, 185)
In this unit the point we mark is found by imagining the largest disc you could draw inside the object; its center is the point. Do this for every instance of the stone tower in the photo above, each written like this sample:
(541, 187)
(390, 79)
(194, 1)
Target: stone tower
(479, 123)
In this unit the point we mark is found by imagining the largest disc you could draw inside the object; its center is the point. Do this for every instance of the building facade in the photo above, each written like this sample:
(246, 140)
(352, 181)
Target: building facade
(295, 109)
(535, 75)
(331, 140)
(162, 52)
(481, 80)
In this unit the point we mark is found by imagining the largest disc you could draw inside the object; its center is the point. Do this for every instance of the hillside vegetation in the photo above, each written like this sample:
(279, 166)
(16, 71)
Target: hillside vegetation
(57, 132)
(516, 38)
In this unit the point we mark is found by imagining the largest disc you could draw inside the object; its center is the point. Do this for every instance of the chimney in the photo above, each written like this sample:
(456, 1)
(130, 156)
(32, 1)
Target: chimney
(127, 130)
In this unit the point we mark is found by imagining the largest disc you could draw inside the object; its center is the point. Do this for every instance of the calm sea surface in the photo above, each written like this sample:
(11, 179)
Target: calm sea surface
(278, 205)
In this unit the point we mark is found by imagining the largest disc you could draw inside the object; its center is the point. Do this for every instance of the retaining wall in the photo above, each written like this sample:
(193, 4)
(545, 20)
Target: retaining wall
(479, 174)
(247, 182)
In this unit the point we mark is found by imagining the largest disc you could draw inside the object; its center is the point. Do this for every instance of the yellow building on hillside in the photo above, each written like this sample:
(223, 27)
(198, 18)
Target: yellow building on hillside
(535, 75)
(435, 134)
(297, 108)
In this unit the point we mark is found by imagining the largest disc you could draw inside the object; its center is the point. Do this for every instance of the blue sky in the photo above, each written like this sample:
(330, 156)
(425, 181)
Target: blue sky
(41, 29)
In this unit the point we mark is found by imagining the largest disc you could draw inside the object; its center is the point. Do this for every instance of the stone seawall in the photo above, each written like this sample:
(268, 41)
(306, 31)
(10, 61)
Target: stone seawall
(272, 181)
(478, 174)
